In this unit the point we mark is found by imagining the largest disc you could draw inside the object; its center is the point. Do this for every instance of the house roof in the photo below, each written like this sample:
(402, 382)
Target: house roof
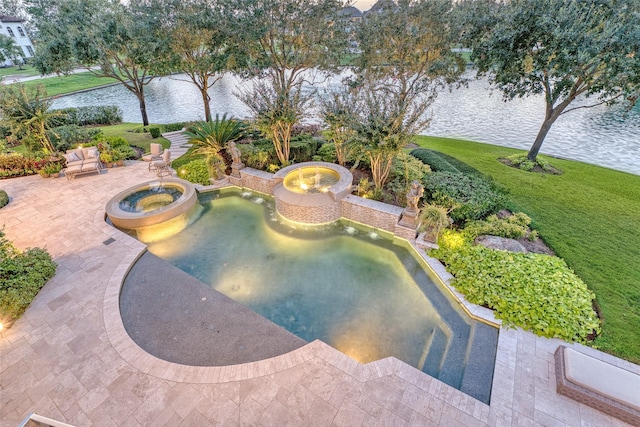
(7, 18)
(350, 12)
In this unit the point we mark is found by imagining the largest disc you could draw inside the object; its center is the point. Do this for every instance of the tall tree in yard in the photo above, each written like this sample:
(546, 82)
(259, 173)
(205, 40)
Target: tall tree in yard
(565, 50)
(406, 59)
(201, 46)
(108, 38)
(284, 39)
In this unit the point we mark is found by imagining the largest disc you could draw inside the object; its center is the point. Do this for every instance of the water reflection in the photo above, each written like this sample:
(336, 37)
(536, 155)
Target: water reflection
(601, 135)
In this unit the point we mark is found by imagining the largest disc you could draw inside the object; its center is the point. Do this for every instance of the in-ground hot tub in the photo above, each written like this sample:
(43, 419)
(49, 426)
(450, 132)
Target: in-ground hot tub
(155, 209)
(310, 192)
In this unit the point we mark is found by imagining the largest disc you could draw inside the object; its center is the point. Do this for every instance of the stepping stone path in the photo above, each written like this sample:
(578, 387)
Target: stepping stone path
(179, 143)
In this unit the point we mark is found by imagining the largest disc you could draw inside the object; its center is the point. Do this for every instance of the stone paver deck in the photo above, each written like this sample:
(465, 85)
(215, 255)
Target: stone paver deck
(69, 358)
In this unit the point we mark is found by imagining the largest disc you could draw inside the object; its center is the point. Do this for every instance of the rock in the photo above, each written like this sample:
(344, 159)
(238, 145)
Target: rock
(501, 243)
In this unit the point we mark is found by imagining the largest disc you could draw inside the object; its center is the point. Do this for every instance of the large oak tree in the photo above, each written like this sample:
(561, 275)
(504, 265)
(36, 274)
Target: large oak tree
(565, 50)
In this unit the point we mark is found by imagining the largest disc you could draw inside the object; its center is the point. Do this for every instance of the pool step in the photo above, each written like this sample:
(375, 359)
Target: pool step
(478, 373)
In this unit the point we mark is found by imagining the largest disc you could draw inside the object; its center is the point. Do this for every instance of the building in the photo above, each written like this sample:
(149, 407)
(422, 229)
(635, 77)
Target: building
(14, 27)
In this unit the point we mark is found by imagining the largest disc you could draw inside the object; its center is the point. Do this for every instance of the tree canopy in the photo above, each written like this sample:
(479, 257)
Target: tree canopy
(566, 50)
(110, 39)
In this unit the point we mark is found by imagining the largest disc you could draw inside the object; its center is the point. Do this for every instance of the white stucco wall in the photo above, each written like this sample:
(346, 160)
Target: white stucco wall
(18, 32)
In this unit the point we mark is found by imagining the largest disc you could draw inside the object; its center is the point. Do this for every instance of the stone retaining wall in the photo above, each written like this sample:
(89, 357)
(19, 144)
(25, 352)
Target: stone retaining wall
(367, 211)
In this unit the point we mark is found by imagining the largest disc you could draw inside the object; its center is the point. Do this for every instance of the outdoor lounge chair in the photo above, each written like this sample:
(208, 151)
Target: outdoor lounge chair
(155, 153)
(81, 161)
(605, 387)
(162, 167)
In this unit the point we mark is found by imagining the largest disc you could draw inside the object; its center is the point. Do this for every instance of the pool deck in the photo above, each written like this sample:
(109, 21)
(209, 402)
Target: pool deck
(70, 359)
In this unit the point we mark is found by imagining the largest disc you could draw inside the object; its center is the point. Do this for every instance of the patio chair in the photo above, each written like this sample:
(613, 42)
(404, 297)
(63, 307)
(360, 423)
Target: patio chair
(162, 167)
(155, 153)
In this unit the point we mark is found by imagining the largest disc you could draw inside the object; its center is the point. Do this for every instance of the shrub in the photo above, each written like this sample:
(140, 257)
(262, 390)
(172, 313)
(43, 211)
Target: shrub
(327, 153)
(257, 157)
(92, 115)
(433, 159)
(513, 227)
(14, 164)
(521, 161)
(64, 137)
(302, 148)
(467, 197)
(195, 171)
(433, 219)
(155, 132)
(4, 199)
(532, 291)
(22, 275)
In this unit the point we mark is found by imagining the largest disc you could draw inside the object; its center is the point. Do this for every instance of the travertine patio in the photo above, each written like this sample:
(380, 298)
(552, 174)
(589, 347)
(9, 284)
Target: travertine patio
(69, 358)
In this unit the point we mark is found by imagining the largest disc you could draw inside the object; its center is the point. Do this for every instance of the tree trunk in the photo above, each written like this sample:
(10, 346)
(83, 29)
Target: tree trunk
(205, 101)
(542, 133)
(143, 109)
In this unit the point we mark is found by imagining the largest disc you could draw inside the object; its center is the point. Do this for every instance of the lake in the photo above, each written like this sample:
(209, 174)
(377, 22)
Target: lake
(604, 136)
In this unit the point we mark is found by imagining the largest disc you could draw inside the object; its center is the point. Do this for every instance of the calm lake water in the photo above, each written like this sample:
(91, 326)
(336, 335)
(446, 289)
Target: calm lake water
(605, 136)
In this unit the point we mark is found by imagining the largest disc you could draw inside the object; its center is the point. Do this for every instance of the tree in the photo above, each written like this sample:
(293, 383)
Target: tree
(108, 38)
(201, 46)
(406, 59)
(383, 125)
(566, 50)
(337, 111)
(26, 111)
(407, 49)
(10, 50)
(284, 39)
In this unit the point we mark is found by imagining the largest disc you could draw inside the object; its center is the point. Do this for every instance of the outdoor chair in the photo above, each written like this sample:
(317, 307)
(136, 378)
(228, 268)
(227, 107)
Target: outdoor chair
(162, 167)
(155, 153)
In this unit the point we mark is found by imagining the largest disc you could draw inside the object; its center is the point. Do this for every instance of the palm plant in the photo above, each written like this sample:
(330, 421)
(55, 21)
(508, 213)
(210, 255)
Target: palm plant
(209, 138)
(27, 113)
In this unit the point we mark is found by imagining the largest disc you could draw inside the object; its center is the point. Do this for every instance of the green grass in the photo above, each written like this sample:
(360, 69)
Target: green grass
(589, 216)
(141, 140)
(27, 71)
(61, 85)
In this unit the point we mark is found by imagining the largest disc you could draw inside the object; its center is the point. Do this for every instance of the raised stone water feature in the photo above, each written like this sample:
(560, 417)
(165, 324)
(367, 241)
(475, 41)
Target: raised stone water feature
(311, 192)
(155, 209)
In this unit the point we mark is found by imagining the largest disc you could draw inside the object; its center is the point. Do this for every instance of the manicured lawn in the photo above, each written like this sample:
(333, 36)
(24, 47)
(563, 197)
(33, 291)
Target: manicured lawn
(71, 83)
(140, 139)
(590, 216)
(27, 70)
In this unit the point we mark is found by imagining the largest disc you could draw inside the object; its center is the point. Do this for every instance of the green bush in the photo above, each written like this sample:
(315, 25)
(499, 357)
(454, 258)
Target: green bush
(467, 197)
(532, 291)
(64, 137)
(92, 115)
(155, 132)
(522, 162)
(433, 159)
(302, 148)
(22, 275)
(195, 171)
(327, 153)
(174, 127)
(513, 227)
(257, 157)
(4, 199)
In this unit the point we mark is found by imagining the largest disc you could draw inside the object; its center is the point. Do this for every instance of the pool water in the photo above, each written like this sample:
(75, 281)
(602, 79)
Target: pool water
(150, 199)
(349, 286)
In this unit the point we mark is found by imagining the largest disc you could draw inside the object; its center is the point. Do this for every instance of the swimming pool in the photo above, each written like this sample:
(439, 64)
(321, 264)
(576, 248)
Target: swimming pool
(350, 286)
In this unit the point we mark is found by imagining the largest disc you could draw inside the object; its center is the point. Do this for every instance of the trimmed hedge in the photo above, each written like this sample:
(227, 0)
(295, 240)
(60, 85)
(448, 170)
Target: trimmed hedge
(469, 197)
(433, 159)
(22, 275)
(536, 292)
